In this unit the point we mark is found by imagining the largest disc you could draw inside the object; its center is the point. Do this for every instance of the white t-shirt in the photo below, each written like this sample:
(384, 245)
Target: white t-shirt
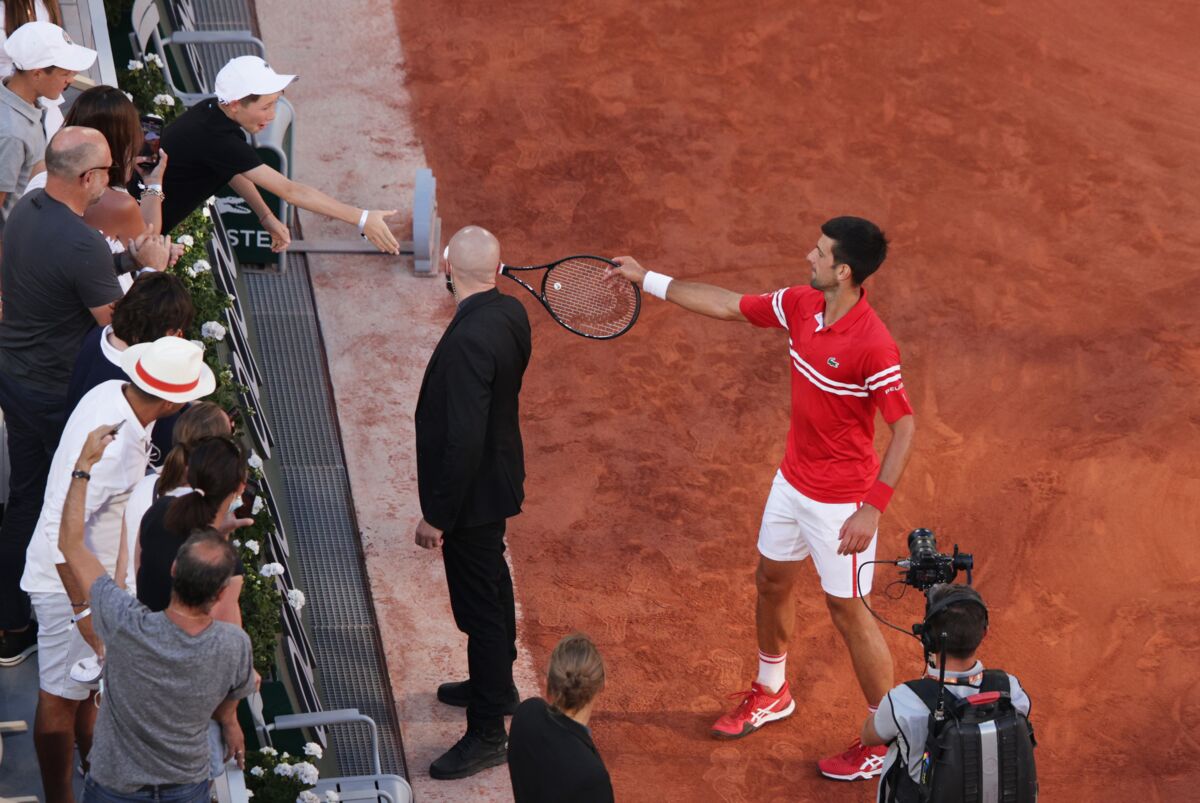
(113, 477)
(902, 706)
(140, 500)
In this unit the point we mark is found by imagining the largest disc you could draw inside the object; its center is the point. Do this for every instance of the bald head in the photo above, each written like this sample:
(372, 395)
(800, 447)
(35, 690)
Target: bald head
(75, 149)
(474, 255)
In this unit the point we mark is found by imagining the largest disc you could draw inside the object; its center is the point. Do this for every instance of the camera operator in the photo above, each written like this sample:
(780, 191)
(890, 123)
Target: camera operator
(955, 624)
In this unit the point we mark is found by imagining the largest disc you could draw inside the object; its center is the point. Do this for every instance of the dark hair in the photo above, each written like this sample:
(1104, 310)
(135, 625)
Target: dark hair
(576, 673)
(199, 421)
(216, 467)
(106, 109)
(964, 623)
(203, 566)
(156, 304)
(19, 12)
(858, 243)
(246, 101)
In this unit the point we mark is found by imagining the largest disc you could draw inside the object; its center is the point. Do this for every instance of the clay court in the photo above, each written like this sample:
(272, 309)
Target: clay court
(1035, 165)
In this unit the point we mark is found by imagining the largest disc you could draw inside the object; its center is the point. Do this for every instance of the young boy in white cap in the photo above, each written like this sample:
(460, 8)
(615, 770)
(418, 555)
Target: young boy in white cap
(163, 377)
(45, 61)
(208, 149)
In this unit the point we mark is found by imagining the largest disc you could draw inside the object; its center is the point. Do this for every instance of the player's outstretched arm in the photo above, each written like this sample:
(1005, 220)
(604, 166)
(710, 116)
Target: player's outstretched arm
(706, 299)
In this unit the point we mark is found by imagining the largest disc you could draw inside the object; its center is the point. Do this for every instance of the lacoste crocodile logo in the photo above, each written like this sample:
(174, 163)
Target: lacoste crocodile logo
(832, 362)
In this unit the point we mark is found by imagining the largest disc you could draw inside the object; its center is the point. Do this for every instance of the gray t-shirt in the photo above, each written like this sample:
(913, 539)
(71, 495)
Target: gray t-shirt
(903, 707)
(54, 269)
(22, 146)
(161, 687)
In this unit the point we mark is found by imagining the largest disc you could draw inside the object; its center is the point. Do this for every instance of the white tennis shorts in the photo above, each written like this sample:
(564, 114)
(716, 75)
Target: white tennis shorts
(59, 646)
(795, 527)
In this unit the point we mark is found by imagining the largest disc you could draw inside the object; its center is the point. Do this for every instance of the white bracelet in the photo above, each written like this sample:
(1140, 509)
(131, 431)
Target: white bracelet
(362, 222)
(86, 613)
(154, 187)
(656, 284)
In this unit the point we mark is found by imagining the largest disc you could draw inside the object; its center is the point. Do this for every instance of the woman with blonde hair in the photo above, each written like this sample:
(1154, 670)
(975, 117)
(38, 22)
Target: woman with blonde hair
(551, 756)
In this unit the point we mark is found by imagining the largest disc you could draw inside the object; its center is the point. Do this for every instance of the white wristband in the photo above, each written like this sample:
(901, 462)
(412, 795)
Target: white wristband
(154, 187)
(656, 284)
(362, 221)
(86, 613)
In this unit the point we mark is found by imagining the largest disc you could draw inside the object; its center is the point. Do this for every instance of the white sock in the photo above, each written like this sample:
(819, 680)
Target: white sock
(772, 670)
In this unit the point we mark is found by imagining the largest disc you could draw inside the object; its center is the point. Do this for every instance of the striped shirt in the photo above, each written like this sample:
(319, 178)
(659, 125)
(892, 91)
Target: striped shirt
(840, 375)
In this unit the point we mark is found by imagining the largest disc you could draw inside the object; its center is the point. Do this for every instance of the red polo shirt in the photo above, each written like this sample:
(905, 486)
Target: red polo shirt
(840, 375)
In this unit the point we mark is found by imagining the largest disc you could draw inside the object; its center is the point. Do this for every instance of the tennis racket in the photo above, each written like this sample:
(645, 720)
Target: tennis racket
(577, 295)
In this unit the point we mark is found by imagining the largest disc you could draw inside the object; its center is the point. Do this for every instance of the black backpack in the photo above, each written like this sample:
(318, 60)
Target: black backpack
(982, 749)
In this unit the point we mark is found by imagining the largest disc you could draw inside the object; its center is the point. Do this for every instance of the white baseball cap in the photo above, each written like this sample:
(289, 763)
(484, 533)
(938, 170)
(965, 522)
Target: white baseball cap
(37, 45)
(170, 368)
(248, 75)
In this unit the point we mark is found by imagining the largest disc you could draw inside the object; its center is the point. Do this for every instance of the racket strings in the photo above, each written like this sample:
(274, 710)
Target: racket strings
(582, 299)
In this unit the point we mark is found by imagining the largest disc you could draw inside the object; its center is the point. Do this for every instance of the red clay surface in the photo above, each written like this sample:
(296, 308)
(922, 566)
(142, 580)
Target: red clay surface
(1036, 166)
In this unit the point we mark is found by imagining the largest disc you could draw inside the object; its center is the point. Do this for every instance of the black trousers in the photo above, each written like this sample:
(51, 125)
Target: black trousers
(35, 422)
(481, 597)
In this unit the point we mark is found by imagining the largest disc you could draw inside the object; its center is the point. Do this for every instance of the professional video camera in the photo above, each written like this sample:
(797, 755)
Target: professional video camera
(926, 567)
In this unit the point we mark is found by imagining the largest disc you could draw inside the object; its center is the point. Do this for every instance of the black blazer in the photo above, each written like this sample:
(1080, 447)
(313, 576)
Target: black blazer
(551, 758)
(470, 461)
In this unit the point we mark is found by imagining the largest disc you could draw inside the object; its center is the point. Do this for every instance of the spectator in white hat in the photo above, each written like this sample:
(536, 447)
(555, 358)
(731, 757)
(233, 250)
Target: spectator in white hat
(45, 62)
(208, 150)
(164, 375)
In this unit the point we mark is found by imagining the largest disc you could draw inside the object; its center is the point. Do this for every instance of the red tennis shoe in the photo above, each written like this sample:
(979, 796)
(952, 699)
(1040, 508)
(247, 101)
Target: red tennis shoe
(857, 762)
(757, 708)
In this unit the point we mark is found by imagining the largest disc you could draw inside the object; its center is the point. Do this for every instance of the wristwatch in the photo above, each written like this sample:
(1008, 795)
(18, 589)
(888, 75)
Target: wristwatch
(81, 475)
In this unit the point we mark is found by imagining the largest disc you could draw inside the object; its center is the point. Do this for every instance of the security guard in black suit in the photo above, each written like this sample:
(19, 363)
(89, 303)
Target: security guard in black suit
(471, 474)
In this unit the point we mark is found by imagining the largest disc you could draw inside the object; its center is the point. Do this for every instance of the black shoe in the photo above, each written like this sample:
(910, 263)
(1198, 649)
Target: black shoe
(458, 693)
(471, 754)
(16, 646)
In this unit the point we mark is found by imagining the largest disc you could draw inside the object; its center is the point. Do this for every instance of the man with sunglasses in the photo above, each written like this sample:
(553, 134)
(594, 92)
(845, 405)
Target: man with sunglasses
(58, 281)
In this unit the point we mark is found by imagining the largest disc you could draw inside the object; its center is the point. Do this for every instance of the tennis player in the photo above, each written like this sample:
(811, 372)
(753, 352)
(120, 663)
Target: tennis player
(829, 493)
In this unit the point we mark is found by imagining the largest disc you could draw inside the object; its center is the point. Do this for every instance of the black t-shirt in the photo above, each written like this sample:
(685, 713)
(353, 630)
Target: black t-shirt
(551, 758)
(54, 269)
(204, 150)
(159, 547)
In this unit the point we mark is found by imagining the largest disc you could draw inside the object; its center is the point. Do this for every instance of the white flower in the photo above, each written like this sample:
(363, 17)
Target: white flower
(205, 211)
(191, 272)
(257, 772)
(313, 749)
(268, 751)
(249, 794)
(186, 240)
(134, 66)
(126, 94)
(308, 774)
(332, 797)
(213, 331)
(236, 542)
(284, 769)
(201, 265)
(152, 58)
(252, 546)
(285, 755)
(296, 599)
(164, 100)
(258, 505)
(308, 797)
(271, 570)
(255, 461)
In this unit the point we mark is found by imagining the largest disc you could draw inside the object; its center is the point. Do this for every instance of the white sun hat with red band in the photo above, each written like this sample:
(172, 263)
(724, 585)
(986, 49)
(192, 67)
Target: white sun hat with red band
(170, 368)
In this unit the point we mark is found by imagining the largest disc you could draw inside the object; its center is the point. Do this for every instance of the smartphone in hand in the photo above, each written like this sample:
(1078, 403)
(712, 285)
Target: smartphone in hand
(152, 126)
